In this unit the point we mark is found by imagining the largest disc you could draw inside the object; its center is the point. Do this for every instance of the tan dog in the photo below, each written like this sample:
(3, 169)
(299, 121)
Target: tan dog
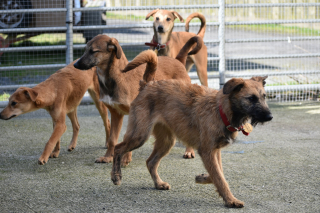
(118, 88)
(60, 95)
(173, 109)
(169, 43)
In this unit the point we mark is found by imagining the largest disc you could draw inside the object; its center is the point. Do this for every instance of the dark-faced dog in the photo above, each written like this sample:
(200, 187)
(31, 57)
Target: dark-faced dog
(197, 116)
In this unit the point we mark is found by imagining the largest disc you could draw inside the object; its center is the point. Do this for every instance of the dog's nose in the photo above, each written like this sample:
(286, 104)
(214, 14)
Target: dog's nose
(160, 28)
(269, 117)
(76, 65)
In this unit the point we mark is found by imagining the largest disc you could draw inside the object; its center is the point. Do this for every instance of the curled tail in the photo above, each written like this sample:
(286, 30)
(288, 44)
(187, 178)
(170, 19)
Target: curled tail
(184, 52)
(203, 23)
(149, 57)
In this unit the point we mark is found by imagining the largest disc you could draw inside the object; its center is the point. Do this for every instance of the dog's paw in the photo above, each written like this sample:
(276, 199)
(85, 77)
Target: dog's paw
(126, 159)
(189, 153)
(163, 186)
(104, 160)
(116, 179)
(54, 155)
(203, 179)
(41, 162)
(234, 204)
(71, 148)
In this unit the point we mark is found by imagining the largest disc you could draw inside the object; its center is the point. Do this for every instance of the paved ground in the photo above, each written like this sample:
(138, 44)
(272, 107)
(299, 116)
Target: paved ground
(275, 169)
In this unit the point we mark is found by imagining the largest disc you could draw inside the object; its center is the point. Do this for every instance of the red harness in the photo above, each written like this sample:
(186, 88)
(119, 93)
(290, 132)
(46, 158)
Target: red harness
(157, 45)
(228, 125)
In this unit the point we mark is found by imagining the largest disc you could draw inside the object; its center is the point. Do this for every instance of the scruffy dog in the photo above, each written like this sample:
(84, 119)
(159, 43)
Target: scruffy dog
(169, 43)
(197, 116)
(60, 95)
(118, 89)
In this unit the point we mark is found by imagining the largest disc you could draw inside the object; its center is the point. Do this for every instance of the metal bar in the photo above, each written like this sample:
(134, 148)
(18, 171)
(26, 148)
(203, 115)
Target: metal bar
(222, 59)
(242, 75)
(273, 5)
(36, 48)
(129, 26)
(32, 67)
(34, 29)
(274, 22)
(69, 33)
(170, 7)
(275, 56)
(306, 38)
(6, 87)
(292, 87)
(42, 10)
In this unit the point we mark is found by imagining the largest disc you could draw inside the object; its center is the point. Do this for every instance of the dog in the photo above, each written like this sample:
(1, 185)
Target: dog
(118, 88)
(201, 117)
(60, 95)
(169, 43)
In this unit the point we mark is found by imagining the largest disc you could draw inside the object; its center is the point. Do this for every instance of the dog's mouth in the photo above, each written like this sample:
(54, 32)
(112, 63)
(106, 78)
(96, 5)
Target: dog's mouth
(82, 66)
(261, 119)
(7, 118)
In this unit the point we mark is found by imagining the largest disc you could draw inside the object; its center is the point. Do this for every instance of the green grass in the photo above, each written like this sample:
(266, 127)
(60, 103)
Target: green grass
(4, 97)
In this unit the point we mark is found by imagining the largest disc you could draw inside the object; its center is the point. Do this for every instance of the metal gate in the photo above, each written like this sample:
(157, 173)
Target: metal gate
(245, 38)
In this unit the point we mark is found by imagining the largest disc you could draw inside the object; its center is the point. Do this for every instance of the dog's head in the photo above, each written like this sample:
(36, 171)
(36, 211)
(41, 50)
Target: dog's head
(163, 20)
(248, 99)
(99, 52)
(23, 100)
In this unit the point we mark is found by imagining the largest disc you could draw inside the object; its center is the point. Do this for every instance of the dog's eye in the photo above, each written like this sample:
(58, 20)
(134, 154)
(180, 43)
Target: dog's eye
(168, 19)
(264, 96)
(13, 103)
(253, 98)
(157, 18)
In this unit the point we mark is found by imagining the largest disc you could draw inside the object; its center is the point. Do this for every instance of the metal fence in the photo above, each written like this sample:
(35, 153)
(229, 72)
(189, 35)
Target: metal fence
(245, 38)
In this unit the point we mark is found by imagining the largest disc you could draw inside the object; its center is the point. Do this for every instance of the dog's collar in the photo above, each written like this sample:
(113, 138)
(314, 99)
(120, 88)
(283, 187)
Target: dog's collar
(157, 45)
(228, 125)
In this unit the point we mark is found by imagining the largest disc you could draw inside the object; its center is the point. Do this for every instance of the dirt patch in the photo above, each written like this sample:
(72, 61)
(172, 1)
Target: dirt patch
(275, 169)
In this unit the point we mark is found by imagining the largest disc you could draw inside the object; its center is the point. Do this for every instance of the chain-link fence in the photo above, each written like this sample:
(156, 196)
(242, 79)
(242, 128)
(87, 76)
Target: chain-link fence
(278, 38)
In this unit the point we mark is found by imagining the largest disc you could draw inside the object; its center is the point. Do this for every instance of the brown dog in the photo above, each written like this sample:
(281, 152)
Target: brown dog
(192, 113)
(118, 88)
(60, 95)
(169, 43)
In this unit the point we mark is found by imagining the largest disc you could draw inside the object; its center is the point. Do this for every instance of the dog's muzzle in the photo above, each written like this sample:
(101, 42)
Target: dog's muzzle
(160, 29)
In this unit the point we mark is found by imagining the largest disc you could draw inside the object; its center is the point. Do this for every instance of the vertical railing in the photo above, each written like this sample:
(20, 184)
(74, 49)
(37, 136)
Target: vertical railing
(222, 59)
(69, 34)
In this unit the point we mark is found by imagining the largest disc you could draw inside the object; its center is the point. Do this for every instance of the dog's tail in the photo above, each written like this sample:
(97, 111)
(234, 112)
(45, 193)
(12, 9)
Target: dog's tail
(149, 57)
(182, 55)
(203, 23)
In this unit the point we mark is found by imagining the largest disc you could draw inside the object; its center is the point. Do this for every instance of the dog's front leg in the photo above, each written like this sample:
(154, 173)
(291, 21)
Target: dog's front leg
(116, 124)
(213, 166)
(59, 128)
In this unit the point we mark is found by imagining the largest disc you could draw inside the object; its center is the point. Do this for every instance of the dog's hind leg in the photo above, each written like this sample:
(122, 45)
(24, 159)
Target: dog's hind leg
(133, 139)
(56, 151)
(165, 140)
(116, 124)
(201, 65)
(75, 126)
(210, 159)
(59, 128)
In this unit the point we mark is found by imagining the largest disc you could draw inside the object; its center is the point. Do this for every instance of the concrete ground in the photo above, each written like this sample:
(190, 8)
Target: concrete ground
(275, 169)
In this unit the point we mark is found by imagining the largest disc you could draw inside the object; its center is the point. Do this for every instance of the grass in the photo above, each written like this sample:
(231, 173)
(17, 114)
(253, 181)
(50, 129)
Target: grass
(4, 97)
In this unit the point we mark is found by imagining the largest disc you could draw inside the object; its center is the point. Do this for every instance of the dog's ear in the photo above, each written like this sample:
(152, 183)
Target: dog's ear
(151, 13)
(114, 45)
(177, 15)
(260, 79)
(32, 95)
(233, 85)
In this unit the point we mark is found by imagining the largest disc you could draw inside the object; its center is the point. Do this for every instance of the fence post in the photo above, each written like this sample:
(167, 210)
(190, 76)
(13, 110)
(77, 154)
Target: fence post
(69, 33)
(222, 59)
